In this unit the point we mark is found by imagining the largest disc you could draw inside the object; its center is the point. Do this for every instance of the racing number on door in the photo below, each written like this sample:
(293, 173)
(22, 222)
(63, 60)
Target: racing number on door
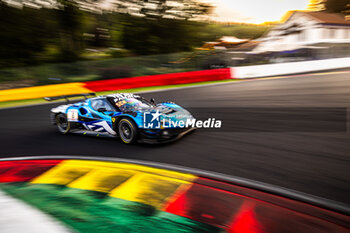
(72, 115)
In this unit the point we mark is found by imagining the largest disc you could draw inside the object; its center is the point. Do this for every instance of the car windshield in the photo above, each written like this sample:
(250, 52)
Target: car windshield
(130, 104)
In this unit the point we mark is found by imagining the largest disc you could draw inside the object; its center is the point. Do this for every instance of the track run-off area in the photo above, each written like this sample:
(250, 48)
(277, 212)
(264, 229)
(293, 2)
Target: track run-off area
(316, 162)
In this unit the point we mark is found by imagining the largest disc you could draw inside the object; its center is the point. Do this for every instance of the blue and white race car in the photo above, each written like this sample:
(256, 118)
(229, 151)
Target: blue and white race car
(128, 116)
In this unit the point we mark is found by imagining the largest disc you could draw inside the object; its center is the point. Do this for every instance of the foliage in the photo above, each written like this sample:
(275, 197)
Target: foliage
(118, 53)
(115, 72)
(336, 6)
(163, 36)
(316, 5)
(156, 37)
(32, 36)
(332, 6)
(107, 68)
(21, 39)
(157, 9)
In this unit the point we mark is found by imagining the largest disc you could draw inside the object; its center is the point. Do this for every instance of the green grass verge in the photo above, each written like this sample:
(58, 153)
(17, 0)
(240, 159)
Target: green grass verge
(18, 103)
(89, 212)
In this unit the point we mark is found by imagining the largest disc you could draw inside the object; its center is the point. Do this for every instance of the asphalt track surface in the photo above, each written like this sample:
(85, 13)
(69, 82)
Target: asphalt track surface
(316, 163)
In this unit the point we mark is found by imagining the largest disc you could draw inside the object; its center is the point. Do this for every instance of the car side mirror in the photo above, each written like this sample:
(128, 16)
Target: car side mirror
(152, 101)
(102, 110)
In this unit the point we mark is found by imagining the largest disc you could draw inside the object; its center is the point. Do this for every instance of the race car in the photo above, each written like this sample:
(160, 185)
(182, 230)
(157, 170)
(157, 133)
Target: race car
(130, 117)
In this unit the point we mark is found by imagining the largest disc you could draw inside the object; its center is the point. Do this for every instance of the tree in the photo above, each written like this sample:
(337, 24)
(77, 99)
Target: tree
(336, 6)
(70, 24)
(316, 5)
(156, 9)
(160, 26)
(21, 37)
(142, 26)
(332, 6)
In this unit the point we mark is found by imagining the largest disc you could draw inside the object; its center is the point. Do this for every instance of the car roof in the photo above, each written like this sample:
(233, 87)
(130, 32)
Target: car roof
(121, 96)
(118, 96)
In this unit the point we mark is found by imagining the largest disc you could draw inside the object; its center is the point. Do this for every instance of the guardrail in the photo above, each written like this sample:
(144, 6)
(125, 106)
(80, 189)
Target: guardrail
(258, 71)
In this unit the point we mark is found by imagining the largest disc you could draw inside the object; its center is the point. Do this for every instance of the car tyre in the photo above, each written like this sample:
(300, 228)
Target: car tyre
(62, 123)
(127, 131)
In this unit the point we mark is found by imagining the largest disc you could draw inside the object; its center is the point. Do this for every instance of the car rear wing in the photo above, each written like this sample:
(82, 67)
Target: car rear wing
(66, 97)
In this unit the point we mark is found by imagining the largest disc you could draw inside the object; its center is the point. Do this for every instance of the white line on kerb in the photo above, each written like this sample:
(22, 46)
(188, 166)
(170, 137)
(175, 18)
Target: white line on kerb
(17, 216)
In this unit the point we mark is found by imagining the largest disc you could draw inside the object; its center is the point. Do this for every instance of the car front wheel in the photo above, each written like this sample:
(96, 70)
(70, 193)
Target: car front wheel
(62, 123)
(127, 131)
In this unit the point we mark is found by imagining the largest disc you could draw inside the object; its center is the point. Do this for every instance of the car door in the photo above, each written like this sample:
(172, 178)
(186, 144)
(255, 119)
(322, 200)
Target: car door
(101, 112)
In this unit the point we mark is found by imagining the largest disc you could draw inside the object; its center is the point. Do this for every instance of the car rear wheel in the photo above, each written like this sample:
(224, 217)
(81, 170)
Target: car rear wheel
(62, 123)
(127, 131)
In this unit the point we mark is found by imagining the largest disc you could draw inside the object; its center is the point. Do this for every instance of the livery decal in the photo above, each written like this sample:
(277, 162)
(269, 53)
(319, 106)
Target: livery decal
(73, 115)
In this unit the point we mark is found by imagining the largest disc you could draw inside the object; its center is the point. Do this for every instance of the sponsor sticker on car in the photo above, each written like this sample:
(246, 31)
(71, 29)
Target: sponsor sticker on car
(73, 115)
